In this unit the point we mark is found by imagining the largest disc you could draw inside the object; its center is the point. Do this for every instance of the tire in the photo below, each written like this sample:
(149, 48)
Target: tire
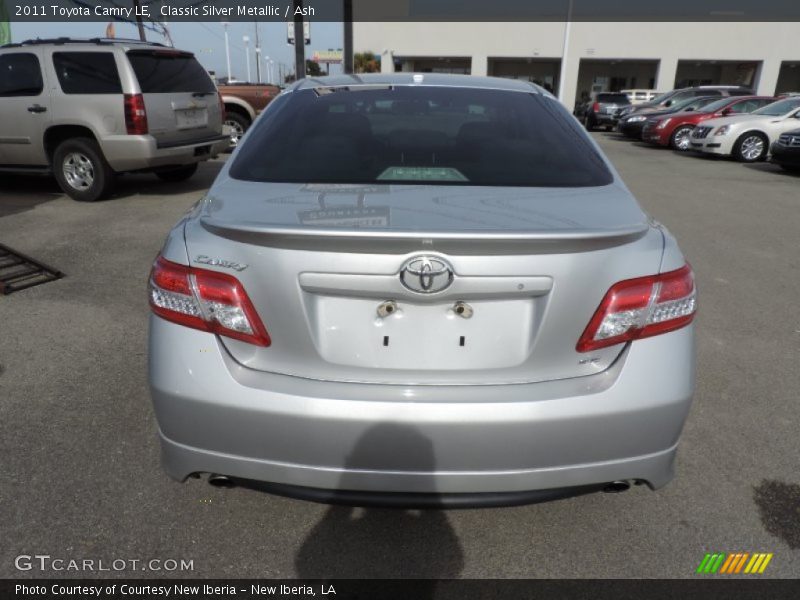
(751, 147)
(680, 139)
(239, 124)
(588, 121)
(177, 174)
(82, 171)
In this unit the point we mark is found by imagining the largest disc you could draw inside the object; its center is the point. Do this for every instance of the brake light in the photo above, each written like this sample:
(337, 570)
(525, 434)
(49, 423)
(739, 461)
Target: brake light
(596, 107)
(640, 308)
(221, 107)
(205, 300)
(135, 114)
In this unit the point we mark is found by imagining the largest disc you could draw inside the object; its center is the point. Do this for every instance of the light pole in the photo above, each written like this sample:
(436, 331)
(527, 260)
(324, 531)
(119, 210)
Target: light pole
(246, 40)
(258, 62)
(269, 69)
(563, 74)
(227, 50)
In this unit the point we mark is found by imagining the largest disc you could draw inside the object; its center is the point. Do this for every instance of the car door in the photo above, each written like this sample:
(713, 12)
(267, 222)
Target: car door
(24, 103)
(788, 123)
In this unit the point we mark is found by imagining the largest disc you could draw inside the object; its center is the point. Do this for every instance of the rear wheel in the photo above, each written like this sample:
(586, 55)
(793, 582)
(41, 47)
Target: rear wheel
(238, 125)
(681, 138)
(81, 170)
(750, 147)
(179, 174)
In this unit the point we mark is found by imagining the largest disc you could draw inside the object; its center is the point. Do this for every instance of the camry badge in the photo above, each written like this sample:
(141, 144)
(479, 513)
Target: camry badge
(217, 262)
(426, 274)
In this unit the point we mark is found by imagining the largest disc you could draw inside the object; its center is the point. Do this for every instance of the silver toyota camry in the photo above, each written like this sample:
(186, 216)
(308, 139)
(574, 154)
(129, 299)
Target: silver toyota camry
(420, 290)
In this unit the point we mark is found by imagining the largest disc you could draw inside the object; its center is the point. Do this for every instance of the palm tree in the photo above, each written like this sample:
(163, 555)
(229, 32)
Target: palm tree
(366, 62)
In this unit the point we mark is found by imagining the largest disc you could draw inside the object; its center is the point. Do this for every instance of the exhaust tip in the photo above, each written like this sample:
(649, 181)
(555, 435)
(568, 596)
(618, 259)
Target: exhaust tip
(616, 487)
(220, 481)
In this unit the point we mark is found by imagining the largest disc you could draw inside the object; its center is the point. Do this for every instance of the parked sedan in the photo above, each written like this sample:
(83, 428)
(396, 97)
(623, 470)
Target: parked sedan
(421, 289)
(747, 137)
(632, 126)
(675, 130)
(786, 151)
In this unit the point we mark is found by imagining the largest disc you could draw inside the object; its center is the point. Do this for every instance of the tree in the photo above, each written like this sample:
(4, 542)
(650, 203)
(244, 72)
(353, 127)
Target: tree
(366, 62)
(312, 68)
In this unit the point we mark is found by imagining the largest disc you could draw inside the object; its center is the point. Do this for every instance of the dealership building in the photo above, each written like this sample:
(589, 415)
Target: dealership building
(595, 56)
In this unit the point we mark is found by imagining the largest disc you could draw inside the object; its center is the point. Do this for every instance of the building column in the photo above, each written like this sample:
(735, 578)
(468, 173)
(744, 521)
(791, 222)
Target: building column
(570, 72)
(767, 77)
(387, 61)
(667, 72)
(480, 66)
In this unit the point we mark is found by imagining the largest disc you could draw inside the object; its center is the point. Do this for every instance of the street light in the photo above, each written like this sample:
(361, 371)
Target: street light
(269, 69)
(227, 51)
(258, 63)
(246, 40)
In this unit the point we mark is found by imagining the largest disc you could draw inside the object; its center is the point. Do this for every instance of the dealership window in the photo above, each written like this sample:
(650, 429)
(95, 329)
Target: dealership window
(87, 72)
(20, 75)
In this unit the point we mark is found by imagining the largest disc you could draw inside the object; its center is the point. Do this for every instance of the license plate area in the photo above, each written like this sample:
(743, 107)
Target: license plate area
(350, 331)
(191, 118)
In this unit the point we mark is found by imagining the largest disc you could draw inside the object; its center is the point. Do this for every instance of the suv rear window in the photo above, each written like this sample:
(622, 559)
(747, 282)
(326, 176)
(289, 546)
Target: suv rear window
(166, 71)
(613, 98)
(420, 135)
(87, 72)
(20, 75)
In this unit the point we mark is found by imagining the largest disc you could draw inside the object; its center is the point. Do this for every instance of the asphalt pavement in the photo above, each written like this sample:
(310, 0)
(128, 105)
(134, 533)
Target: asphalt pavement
(80, 460)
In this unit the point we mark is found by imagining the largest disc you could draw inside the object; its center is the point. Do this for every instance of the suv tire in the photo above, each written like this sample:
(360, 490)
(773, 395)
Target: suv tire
(177, 174)
(751, 147)
(81, 170)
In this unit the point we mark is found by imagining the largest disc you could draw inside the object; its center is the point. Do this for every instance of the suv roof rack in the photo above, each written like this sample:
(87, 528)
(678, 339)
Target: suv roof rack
(69, 40)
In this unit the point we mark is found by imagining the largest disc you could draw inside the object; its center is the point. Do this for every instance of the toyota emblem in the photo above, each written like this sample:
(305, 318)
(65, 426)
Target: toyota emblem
(426, 274)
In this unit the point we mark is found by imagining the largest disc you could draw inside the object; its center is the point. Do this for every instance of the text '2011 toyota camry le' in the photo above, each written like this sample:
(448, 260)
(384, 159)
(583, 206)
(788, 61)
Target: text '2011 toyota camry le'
(426, 290)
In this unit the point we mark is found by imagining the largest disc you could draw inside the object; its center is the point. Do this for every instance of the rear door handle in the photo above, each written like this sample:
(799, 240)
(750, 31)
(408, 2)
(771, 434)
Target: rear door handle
(37, 109)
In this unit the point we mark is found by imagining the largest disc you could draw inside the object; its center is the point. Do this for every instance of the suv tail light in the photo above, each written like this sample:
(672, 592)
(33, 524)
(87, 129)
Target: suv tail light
(205, 300)
(222, 114)
(640, 308)
(135, 114)
(596, 107)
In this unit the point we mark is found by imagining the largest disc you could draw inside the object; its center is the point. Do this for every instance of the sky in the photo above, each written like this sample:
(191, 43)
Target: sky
(206, 41)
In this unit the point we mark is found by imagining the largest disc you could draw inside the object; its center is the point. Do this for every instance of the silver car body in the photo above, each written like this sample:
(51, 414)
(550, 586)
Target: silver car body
(495, 401)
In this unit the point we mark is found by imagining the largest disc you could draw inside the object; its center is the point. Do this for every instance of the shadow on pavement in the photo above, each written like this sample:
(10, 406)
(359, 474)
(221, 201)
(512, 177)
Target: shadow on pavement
(21, 192)
(383, 543)
(766, 167)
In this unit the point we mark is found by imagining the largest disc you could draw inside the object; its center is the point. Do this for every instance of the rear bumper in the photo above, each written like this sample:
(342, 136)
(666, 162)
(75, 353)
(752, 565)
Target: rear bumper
(217, 416)
(138, 152)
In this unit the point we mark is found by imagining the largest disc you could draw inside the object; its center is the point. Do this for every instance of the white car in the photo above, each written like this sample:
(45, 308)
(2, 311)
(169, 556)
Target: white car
(747, 137)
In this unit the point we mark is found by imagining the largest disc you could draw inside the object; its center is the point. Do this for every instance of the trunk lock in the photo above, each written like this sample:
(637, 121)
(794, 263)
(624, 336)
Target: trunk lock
(387, 309)
(463, 310)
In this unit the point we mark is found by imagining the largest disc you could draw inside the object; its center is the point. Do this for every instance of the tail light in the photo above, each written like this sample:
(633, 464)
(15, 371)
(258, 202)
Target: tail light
(135, 114)
(221, 107)
(596, 107)
(205, 300)
(640, 308)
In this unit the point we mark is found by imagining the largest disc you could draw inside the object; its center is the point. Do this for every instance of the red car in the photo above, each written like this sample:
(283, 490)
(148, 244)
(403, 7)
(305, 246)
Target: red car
(674, 130)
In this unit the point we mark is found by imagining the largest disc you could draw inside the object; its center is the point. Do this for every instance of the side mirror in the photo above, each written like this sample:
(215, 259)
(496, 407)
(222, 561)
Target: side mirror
(690, 109)
(726, 111)
(668, 103)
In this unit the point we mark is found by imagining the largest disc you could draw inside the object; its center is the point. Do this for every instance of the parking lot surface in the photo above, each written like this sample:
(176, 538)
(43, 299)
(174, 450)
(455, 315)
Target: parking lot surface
(80, 461)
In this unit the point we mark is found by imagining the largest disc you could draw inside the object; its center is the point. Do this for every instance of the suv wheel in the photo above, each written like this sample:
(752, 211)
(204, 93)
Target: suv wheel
(681, 138)
(750, 147)
(238, 124)
(178, 174)
(589, 122)
(81, 170)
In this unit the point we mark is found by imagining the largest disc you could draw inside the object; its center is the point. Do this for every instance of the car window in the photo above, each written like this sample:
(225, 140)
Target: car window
(746, 106)
(705, 92)
(20, 75)
(87, 72)
(420, 135)
(166, 71)
(779, 108)
(613, 98)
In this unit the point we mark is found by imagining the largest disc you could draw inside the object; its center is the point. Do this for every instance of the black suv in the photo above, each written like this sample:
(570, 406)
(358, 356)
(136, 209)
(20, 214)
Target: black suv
(601, 109)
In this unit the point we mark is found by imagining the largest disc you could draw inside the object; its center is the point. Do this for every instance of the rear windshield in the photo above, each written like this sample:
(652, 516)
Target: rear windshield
(419, 134)
(613, 98)
(165, 71)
